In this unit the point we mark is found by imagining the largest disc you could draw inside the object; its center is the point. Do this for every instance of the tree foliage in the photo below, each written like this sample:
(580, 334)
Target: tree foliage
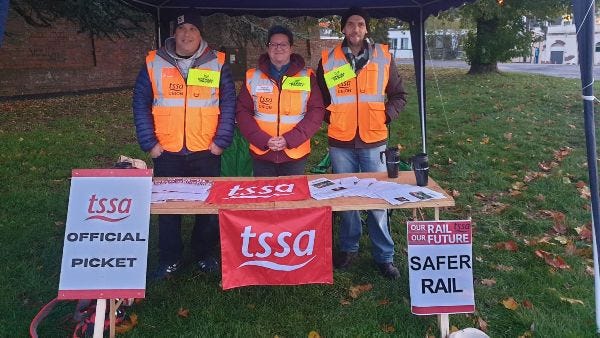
(241, 30)
(100, 18)
(500, 31)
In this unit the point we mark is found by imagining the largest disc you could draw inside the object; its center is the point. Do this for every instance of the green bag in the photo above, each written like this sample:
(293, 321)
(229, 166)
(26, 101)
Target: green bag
(236, 160)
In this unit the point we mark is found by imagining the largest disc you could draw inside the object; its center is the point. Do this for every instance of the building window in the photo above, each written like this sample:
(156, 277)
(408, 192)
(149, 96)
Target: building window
(404, 44)
(439, 42)
(598, 47)
(393, 43)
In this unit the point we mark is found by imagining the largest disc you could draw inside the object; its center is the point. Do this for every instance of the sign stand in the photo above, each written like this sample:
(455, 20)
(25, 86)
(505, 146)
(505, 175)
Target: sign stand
(444, 324)
(99, 320)
(443, 319)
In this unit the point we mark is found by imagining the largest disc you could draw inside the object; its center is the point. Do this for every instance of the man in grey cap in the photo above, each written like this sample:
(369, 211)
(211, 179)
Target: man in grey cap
(363, 92)
(184, 111)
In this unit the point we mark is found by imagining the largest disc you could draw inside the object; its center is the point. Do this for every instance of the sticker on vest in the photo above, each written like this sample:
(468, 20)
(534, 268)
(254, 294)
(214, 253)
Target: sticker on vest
(339, 75)
(296, 83)
(203, 77)
(264, 89)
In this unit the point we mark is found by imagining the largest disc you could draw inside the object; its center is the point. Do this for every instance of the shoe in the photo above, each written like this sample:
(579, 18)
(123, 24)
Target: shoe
(209, 265)
(388, 270)
(344, 260)
(166, 270)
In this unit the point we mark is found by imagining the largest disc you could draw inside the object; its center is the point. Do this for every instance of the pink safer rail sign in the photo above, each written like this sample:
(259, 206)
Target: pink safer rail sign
(106, 236)
(440, 263)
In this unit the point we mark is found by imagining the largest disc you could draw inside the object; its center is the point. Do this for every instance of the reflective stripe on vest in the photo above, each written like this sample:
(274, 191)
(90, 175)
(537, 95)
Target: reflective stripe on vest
(277, 112)
(183, 114)
(359, 102)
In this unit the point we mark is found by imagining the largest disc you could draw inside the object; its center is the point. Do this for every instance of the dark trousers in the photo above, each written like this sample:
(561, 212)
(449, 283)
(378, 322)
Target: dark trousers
(266, 168)
(205, 235)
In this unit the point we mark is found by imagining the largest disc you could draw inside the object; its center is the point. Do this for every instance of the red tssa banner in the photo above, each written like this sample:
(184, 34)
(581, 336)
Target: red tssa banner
(276, 247)
(256, 191)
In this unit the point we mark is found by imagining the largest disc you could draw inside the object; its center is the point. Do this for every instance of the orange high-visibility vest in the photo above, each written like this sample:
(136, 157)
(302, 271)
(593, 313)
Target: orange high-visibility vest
(183, 113)
(278, 112)
(359, 102)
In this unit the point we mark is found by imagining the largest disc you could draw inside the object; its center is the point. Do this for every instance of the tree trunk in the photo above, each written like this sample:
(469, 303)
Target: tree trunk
(480, 68)
(484, 60)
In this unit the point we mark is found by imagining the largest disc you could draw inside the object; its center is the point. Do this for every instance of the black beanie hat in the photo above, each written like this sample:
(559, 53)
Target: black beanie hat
(355, 11)
(189, 16)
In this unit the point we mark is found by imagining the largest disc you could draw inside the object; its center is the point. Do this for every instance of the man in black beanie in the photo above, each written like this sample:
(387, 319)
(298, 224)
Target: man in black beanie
(363, 92)
(184, 112)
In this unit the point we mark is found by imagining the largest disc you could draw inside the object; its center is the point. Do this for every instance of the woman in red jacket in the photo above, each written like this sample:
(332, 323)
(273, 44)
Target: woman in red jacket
(280, 108)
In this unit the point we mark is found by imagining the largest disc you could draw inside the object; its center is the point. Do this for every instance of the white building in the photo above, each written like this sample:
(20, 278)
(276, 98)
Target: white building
(400, 43)
(560, 45)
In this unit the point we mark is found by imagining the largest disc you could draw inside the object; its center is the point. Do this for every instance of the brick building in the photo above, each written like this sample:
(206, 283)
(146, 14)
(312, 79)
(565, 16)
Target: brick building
(58, 59)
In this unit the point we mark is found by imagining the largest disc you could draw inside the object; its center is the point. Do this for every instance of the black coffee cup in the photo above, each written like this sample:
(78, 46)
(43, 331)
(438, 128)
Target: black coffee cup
(392, 161)
(420, 165)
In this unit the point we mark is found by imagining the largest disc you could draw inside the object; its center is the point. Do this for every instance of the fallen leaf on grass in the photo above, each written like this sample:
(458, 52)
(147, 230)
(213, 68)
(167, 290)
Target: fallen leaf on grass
(547, 166)
(584, 191)
(127, 325)
(482, 324)
(509, 245)
(510, 303)
(454, 193)
(501, 267)
(508, 136)
(552, 259)
(485, 140)
(585, 232)
(314, 334)
(527, 304)
(570, 249)
(563, 152)
(526, 334)
(453, 329)
(571, 300)
(518, 185)
(357, 290)
(480, 196)
(488, 282)
(183, 313)
(494, 208)
(561, 239)
(345, 302)
(388, 328)
(589, 270)
(384, 302)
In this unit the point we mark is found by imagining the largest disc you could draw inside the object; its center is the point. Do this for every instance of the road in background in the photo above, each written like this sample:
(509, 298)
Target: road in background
(564, 70)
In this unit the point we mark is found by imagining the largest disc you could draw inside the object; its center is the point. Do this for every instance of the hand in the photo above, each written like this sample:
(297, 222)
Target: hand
(156, 151)
(215, 149)
(277, 143)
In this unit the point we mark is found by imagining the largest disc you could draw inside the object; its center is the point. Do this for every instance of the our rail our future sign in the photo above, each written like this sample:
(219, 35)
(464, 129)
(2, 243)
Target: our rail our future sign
(440, 267)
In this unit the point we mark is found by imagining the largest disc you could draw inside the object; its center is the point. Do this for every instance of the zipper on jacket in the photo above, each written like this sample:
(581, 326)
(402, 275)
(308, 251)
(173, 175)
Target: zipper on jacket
(279, 86)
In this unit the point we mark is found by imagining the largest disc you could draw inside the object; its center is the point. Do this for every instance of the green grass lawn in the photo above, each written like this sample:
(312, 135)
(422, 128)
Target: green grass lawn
(494, 141)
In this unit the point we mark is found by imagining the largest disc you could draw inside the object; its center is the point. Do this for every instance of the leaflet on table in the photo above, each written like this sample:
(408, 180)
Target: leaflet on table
(324, 188)
(397, 194)
(180, 189)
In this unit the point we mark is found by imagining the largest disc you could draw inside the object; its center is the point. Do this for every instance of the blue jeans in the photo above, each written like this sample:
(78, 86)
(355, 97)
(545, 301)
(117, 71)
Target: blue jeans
(205, 235)
(349, 160)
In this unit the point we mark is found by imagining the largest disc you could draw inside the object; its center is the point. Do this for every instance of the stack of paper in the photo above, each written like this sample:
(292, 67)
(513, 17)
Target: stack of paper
(180, 189)
(393, 193)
